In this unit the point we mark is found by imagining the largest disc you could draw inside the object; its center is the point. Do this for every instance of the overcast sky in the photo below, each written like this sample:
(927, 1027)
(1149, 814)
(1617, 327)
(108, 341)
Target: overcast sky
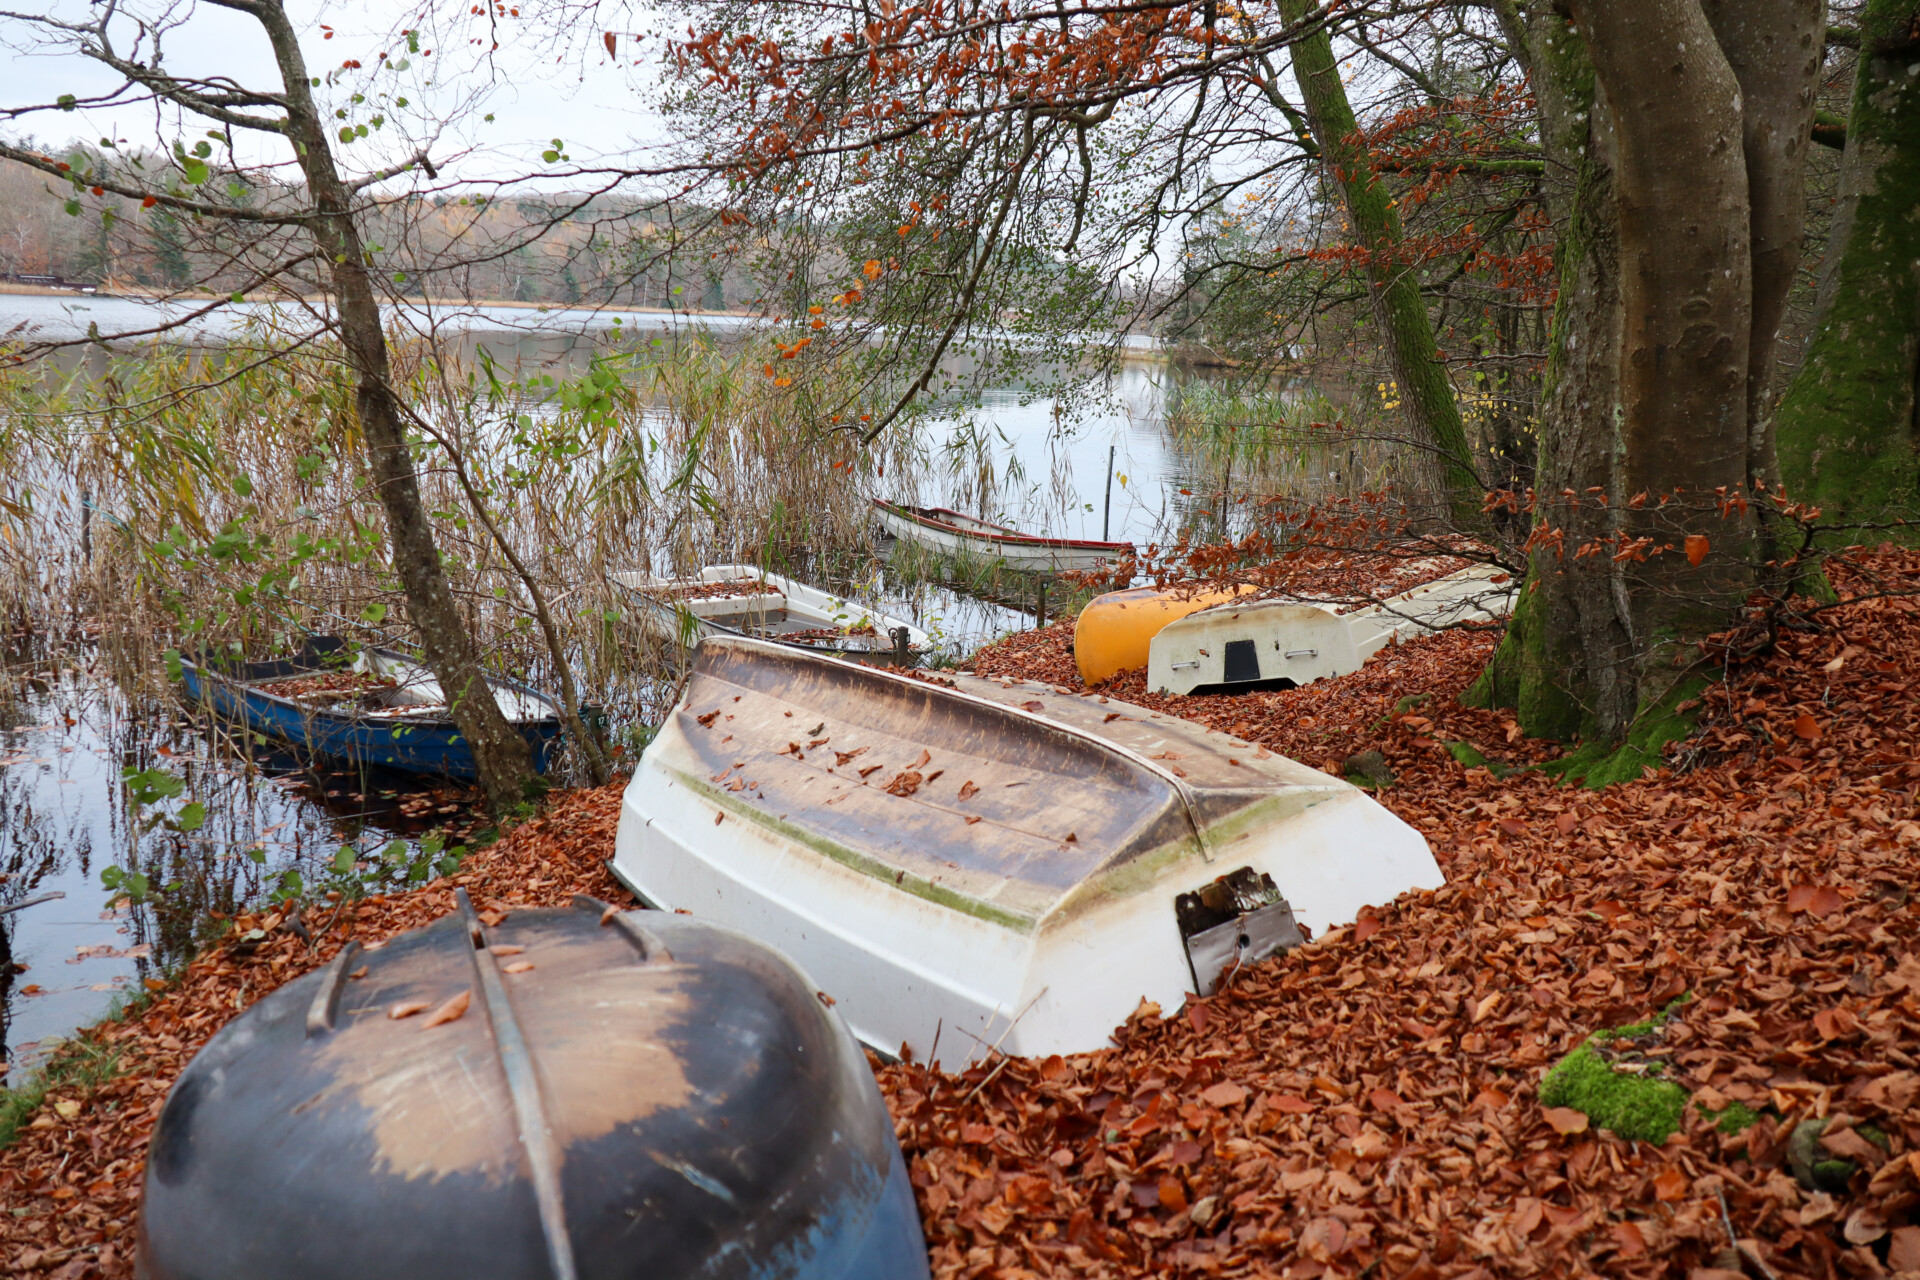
(535, 89)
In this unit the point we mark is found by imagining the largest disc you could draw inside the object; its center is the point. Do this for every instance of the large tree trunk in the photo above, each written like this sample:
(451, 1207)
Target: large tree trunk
(1667, 285)
(1566, 664)
(1775, 48)
(504, 760)
(1426, 393)
(1847, 426)
(1686, 292)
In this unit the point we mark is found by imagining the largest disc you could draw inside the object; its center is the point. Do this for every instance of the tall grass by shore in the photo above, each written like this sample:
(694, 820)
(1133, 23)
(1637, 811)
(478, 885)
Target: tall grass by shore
(167, 498)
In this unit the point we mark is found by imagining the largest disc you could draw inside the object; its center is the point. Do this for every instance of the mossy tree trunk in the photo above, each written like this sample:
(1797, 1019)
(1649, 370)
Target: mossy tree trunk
(1566, 664)
(1847, 424)
(1667, 117)
(1426, 393)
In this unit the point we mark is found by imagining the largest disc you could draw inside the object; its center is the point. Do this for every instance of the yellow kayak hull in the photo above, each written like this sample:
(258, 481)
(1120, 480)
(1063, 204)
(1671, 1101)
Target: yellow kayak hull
(1115, 632)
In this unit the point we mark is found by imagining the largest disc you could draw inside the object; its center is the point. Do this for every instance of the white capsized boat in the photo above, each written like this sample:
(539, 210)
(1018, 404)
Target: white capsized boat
(1279, 641)
(978, 862)
(739, 599)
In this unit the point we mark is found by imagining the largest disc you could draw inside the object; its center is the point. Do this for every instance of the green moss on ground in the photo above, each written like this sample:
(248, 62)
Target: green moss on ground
(1734, 1119)
(1642, 1108)
(1601, 764)
(1639, 1107)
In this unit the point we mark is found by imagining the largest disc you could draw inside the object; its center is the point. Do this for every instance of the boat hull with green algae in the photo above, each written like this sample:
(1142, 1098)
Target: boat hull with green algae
(966, 864)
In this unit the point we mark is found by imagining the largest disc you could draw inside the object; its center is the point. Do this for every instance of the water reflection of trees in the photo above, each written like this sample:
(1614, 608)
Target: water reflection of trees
(54, 835)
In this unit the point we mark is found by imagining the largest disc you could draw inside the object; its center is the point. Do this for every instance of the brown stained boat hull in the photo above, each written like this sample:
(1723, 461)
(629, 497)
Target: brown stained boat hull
(967, 853)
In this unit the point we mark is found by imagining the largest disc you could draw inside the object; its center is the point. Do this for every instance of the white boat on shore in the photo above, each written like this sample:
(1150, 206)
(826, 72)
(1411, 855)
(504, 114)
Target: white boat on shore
(741, 600)
(949, 532)
(962, 862)
(1279, 641)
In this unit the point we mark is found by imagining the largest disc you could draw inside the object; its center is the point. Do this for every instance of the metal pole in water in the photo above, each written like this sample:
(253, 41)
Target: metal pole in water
(1106, 514)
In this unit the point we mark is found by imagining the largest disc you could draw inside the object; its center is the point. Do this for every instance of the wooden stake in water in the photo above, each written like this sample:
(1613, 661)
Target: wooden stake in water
(1106, 514)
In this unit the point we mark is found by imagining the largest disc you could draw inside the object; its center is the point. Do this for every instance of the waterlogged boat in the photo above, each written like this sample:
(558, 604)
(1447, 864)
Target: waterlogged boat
(963, 862)
(558, 1094)
(948, 532)
(1282, 643)
(370, 706)
(738, 599)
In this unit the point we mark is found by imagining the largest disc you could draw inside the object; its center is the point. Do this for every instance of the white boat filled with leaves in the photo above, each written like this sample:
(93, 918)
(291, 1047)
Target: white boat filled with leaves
(741, 600)
(963, 863)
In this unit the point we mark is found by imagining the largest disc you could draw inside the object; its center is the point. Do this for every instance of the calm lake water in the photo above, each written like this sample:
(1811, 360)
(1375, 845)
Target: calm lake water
(66, 737)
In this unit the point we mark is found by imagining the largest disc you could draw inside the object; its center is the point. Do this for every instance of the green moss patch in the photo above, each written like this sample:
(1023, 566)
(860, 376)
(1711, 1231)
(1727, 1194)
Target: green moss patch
(1644, 1108)
(1612, 1080)
(1735, 1118)
(1601, 764)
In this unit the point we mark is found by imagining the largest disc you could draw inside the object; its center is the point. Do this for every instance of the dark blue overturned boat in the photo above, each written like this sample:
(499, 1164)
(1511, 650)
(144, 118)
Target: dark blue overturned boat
(371, 706)
(566, 1094)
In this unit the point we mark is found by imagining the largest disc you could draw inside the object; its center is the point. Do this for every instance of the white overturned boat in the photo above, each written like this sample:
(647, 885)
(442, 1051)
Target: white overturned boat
(1277, 641)
(949, 532)
(738, 599)
(989, 862)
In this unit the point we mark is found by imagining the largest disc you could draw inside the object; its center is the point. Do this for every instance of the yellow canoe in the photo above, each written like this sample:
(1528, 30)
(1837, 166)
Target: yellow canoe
(1115, 631)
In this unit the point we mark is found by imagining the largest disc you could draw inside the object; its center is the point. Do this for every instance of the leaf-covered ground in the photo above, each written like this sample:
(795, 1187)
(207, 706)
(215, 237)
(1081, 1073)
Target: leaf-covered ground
(1368, 1104)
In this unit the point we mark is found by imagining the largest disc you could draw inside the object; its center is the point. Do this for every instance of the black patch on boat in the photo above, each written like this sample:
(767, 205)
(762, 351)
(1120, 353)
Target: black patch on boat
(1242, 662)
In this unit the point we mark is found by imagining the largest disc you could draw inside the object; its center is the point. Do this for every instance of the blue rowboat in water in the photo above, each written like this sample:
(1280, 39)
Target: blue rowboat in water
(383, 708)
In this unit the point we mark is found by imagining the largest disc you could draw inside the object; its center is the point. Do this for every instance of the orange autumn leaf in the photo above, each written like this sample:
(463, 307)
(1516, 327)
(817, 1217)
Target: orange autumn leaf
(449, 1010)
(1814, 899)
(1173, 1196)
(1565, 1120)
(1806, 727)
(1834, 1023)
(1696, 549)
(1670, 1183)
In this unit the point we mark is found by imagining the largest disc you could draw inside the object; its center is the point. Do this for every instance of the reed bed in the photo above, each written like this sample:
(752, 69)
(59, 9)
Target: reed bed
(178, 499)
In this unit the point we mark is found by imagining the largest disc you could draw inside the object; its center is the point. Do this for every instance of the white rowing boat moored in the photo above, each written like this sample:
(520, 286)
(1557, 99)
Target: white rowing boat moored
(949, 532)
(1280, 642)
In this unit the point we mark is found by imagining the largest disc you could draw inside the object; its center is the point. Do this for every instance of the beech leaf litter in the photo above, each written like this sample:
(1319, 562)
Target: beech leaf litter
(1742, 920)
